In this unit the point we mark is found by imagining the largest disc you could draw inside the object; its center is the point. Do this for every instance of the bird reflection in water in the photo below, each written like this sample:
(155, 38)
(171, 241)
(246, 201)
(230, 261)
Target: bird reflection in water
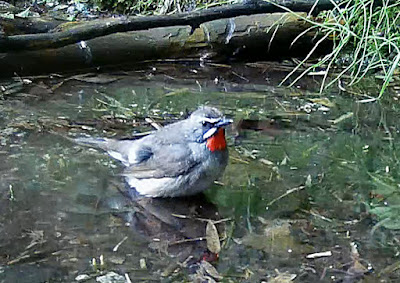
(174, 226)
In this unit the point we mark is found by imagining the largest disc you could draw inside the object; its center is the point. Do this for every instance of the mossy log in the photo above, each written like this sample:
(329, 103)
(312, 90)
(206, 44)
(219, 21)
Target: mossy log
(75, 32)
(262, 36)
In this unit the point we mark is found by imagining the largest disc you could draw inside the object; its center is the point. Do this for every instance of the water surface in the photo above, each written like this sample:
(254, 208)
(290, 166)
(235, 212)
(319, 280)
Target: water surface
(304, 173)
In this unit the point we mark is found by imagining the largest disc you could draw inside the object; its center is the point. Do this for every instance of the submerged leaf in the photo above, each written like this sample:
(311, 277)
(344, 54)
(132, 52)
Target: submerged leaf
(277, 240)
(98, 79)
(323, 101)
(210, 270)
(283, 278)
(388, 216)
(384, 185)
(212, 237)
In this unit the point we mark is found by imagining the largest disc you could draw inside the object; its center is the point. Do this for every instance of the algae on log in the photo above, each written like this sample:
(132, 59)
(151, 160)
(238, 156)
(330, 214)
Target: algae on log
(240, 37)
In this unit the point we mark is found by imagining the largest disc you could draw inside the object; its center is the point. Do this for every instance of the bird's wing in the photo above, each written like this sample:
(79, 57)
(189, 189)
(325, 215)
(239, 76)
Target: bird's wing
(164, 161)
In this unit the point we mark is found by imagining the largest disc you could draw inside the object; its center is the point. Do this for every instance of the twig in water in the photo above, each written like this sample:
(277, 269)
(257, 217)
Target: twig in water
(154, 124)
(187, 241)
(313, 213)
(119, 244)
(127, 278)
(377, 225)
(182, 216)
(320, 254)
(249, 227)
(288, 192)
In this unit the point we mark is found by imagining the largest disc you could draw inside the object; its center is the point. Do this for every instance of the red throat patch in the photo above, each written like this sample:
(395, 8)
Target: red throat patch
(217, 141)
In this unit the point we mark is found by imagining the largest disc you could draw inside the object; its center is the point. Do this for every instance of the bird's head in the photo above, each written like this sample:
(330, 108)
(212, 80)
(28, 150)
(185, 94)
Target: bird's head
(209, 127)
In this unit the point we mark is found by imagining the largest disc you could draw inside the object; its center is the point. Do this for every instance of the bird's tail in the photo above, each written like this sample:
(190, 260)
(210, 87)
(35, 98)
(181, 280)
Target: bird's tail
(92, 142)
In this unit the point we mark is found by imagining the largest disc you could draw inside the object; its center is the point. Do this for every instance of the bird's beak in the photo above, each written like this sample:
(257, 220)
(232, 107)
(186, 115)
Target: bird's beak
(223, 122)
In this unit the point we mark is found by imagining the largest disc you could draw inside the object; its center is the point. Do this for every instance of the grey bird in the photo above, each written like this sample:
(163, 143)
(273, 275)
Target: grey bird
(181, 159)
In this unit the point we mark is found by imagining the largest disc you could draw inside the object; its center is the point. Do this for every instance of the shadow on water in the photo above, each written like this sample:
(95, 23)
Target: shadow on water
(307, 174)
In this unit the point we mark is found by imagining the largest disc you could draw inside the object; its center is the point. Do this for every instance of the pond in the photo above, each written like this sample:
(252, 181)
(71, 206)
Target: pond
(310, 192)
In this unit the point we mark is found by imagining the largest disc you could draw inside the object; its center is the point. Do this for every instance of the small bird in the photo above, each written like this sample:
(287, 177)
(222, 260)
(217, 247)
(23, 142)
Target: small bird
(181, 159)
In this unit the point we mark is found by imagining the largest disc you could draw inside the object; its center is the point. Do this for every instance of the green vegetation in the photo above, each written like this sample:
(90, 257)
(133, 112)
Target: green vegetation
(366, 39)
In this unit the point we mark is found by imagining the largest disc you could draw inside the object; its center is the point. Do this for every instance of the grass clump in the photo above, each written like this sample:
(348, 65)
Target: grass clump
(366, 39)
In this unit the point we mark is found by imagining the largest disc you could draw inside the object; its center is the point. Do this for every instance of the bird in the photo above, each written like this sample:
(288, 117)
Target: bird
(181, 159)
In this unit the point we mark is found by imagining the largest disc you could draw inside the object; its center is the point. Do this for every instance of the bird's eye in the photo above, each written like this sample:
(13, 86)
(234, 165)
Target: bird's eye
(208, 124)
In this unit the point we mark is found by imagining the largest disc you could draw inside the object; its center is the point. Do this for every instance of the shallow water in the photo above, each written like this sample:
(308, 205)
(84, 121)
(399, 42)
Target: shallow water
(297, 185)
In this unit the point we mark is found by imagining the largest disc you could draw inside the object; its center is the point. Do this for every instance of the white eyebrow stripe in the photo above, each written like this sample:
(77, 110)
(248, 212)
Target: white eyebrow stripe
(212, 120)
